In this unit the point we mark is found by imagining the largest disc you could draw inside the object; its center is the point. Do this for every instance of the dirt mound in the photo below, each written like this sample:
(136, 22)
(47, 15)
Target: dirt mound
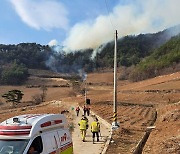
(133, 118)
(136, 108)
(36, 82)
(125, 131)
(165, 82)
(171, 146)
(171, 116)
(47, 107)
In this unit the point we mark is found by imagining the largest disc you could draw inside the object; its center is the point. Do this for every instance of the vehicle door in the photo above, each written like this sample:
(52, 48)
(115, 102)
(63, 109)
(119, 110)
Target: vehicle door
(51, 142)
(37, 145)
(65, 141)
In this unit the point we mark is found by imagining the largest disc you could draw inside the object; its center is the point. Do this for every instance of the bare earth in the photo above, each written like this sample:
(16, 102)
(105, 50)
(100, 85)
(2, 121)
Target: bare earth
(138, 104)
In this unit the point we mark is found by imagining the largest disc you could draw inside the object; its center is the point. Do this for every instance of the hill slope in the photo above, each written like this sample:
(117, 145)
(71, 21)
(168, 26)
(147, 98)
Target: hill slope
(131, 50)
(163, 57)
(137, 103)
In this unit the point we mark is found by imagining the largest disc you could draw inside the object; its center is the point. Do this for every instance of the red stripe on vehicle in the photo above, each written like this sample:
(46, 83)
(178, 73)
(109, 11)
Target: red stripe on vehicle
(11, 133)
(57, 121)
(46, 124)
(14, 127)
(32, 116)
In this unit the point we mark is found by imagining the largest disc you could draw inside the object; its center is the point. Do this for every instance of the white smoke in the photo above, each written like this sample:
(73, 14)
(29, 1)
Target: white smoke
(53, 43)
(82, 74)
(51, 63)
(55, 46)
(97, 50)
(42, 14)
(134, 17)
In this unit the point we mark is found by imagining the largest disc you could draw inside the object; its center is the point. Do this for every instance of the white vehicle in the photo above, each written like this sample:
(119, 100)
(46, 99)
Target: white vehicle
(46, 133)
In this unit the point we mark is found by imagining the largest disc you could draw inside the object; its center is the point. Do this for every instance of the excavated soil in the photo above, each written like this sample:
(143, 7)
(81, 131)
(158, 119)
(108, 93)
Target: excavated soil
(138, 104)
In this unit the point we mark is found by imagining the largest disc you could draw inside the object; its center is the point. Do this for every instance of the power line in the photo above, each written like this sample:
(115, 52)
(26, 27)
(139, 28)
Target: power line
(108, 11)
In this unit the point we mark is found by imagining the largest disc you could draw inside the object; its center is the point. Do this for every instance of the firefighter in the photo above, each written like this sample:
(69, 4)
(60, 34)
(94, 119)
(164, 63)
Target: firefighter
(95, 129)
(83, 126)
(77, 110)
(83, 116)
(32, 150)
(88, 110)
(85, 110)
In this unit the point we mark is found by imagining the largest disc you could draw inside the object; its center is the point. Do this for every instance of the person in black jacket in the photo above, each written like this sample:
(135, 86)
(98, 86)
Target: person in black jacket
(32, 151)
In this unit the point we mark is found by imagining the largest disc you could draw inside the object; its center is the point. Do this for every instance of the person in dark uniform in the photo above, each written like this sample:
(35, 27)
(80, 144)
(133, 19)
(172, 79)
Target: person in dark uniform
(32, 151)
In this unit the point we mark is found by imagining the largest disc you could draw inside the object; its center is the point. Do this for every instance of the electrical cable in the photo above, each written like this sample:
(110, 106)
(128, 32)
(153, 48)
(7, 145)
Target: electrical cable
(108, 11)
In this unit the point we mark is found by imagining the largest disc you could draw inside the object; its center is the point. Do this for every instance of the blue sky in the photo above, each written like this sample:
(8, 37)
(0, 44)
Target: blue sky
(79, 24)
(14, 30)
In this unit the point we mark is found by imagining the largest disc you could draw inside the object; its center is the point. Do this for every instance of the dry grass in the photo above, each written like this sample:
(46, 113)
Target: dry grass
(134, 115)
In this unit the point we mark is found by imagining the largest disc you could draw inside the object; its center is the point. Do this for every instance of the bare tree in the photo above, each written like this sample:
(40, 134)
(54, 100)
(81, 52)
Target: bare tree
(44, 89)
(37, 99)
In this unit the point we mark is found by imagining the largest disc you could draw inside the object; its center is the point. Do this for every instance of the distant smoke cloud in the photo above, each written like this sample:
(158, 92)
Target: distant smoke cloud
(51, 63)
(140, 16)
(82, 74)
(98, 50)
(42, 14)
(53, 43)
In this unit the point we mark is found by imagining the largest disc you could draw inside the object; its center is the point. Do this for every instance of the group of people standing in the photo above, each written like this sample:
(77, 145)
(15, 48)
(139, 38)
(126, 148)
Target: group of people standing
(95, 128)
(86, 110)
(84, 124)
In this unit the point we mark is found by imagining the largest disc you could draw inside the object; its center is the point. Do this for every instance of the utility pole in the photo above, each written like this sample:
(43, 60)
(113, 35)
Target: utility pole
(85, 88)
(115, 123)
(85, 91)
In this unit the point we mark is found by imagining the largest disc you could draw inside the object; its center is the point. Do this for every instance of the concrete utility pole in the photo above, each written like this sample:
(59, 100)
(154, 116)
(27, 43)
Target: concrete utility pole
(85, 92)
(115, 124)
(85, 89)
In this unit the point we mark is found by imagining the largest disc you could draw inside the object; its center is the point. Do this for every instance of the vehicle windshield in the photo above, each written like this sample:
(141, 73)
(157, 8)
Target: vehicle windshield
(15, 146)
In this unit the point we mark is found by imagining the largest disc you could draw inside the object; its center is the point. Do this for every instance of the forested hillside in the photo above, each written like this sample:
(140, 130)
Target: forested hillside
(132, 50)
(16, 59)
(32, 55)
(166, 56)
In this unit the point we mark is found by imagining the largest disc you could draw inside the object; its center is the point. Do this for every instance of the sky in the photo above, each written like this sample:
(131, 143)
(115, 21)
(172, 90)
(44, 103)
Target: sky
(79, 24)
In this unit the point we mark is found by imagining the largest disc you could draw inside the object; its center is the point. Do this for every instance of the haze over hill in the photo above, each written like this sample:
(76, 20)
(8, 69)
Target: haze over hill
(83, 24)
(16, 59)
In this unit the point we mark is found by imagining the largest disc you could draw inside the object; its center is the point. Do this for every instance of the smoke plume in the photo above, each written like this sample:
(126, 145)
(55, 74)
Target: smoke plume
(133, 17)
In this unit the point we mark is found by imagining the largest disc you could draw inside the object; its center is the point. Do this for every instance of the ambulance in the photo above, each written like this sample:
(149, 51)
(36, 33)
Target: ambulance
(46, 133)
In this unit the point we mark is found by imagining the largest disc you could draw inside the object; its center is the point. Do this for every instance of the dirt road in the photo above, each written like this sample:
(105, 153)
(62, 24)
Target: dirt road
(88, 147)
(57, 106)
